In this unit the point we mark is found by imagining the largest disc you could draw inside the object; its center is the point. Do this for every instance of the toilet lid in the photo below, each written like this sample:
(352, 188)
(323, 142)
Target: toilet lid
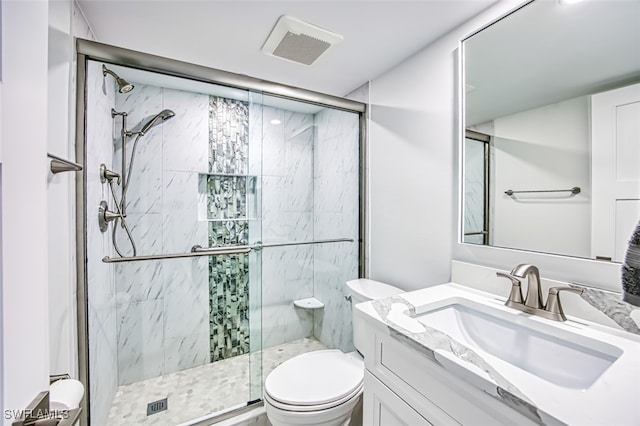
(315, 378)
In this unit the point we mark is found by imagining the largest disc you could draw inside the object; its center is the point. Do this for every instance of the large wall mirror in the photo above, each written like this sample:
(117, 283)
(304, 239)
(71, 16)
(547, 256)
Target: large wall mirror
(552, 124)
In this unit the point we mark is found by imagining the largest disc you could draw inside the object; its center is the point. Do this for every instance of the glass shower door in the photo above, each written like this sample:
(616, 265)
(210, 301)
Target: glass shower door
(310, 227)
(174, 335)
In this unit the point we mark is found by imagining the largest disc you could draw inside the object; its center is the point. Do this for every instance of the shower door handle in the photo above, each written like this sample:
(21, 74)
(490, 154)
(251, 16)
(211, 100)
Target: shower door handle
(303, 243)
(221, 250)
(198, 250)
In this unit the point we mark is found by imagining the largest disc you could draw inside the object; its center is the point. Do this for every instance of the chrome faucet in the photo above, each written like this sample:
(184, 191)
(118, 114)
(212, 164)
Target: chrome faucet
(534, 292)
(533, 303)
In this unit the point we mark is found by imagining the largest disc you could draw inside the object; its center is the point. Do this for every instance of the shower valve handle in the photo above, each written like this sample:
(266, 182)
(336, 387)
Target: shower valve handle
(105, 216)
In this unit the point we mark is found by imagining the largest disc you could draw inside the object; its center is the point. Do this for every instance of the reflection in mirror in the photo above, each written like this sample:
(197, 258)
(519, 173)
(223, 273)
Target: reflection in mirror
(476, 195)
(552, 100)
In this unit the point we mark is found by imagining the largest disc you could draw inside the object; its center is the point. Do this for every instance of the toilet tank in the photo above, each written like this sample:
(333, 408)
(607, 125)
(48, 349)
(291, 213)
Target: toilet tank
(363, 290)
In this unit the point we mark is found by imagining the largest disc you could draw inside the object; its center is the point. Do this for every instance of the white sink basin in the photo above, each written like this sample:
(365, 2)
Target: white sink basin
(551, 353)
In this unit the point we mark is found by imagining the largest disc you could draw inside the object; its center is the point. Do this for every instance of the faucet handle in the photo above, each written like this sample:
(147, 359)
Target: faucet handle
(515, 297)
(554, 307)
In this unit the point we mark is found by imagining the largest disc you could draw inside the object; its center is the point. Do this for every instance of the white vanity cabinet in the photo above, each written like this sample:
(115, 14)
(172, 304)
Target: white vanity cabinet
(403, 386)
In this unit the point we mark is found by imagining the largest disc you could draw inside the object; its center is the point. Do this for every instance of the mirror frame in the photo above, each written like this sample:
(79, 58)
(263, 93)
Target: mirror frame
(595, 273)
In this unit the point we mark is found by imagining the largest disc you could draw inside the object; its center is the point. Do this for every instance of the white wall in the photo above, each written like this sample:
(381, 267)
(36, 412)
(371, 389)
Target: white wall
(414, 135)
(24, 221)
(543, 148)
(411, 165)
(65, 21)
(60, 193)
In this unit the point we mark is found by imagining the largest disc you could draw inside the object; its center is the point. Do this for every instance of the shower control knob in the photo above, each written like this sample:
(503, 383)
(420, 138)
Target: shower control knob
(105, 216)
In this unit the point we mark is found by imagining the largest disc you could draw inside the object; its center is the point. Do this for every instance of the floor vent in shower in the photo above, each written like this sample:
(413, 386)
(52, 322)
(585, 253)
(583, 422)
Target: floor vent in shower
(156, 406)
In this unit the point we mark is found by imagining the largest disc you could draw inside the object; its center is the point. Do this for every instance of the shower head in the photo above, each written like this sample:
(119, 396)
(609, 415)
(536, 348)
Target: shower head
(162, 116)
(123, 85)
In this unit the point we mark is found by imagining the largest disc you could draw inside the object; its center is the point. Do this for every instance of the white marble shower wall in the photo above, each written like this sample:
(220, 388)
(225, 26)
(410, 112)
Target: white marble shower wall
(101, 291)
(336, 215)
(287, 216)
(309, 190)
(162, 306)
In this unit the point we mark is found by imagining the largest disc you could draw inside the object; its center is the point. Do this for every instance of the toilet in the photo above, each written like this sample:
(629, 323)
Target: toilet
(322, 387)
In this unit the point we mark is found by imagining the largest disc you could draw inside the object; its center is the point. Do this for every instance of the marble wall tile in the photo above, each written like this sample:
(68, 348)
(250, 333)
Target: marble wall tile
(299, 172)
(185, 314)
(334, 265)
(255, 301)
(274, 225)
(185, 136)
(255, 134)
(79, 24)
(186, 297)
(140, 341)
(140, 104)
(273, 143)
(139, 281)
(298, 266)
(296, 123)
(337, 193)
(299, 226)
(102, 320)
(273, 296)
(185, 352)
(103, 365)
(298, 285)
(335, 225)
(181, 228)
(333, 123)
(299, 322)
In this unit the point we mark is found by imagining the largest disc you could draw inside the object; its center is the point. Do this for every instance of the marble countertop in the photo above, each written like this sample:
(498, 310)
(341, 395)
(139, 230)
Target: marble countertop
(612, 399)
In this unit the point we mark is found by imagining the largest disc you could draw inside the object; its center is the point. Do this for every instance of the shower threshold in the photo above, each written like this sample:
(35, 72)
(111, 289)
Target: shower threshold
(202, 390)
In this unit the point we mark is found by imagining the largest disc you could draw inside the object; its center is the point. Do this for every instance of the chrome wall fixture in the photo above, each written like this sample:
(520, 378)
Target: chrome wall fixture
(123, 85)
(60, 165)
(124, 179)
(575, 190)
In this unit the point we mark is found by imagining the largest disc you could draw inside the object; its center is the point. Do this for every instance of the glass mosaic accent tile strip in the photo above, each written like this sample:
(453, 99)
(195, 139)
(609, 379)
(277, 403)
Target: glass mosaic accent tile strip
(228, 233)
(227, 197)
(229, 305)
(227, 207)
(228, 136)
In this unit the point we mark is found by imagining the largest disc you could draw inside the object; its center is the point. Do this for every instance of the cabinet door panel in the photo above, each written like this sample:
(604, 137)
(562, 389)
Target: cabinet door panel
(384, 408)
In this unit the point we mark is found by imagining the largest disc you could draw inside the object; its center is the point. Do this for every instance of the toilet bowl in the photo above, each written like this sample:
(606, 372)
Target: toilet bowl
(321, 387)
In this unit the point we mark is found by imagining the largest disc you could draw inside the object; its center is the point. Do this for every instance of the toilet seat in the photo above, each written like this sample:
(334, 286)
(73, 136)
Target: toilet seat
(315, 408)
(309, 408)
(314, 381)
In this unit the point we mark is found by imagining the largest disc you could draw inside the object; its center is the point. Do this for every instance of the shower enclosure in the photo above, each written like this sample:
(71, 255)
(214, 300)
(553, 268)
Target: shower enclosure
(220, 218)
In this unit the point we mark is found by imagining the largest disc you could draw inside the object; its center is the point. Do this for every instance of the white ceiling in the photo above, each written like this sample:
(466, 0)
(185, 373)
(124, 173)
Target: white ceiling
(228, 35)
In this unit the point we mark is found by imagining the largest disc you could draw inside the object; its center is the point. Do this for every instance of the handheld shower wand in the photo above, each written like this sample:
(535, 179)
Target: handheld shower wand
(125, 176)
(159, 118)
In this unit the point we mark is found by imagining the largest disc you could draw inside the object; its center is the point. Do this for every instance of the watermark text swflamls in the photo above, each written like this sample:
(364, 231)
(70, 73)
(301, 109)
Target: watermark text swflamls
(38, 414)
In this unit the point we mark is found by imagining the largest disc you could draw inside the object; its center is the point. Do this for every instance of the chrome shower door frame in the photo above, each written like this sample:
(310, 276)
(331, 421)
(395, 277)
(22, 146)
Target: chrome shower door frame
(90, 50)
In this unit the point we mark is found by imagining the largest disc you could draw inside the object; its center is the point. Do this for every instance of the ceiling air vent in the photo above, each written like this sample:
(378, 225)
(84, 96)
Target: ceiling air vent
(298, 41)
